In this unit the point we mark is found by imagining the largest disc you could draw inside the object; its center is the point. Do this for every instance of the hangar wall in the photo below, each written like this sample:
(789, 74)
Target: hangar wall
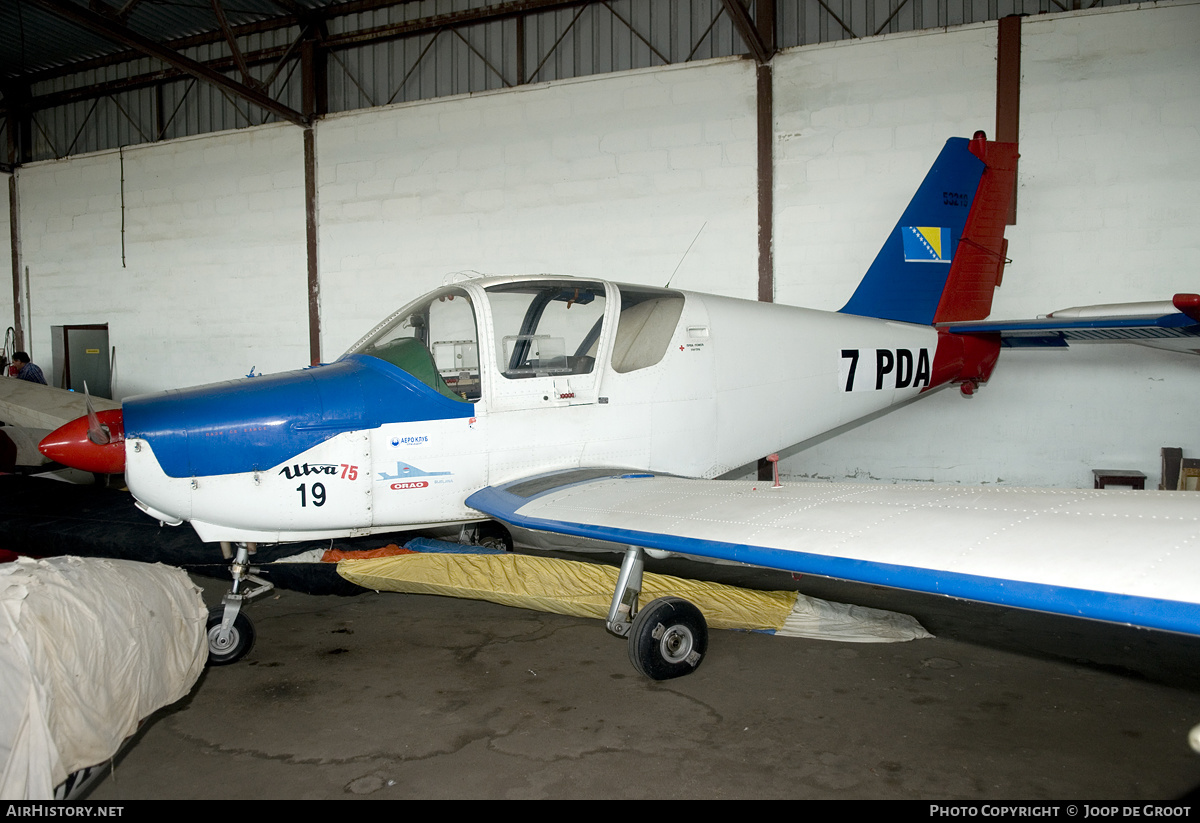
(608, 176)
(1108, 211)
(614, 175)
(200, 275)
(857, 125)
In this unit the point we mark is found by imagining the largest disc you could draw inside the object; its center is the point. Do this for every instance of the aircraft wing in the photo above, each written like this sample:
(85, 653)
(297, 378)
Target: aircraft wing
(1172, 325)
(1122, 557)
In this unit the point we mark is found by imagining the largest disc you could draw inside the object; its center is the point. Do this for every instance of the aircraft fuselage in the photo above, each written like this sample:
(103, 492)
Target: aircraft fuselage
(494, 379)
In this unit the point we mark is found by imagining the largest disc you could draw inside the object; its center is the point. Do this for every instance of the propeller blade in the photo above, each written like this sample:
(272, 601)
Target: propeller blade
(98, 433)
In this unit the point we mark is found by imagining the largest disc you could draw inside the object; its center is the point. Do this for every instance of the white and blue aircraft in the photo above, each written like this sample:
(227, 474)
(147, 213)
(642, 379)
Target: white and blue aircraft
(602, 411)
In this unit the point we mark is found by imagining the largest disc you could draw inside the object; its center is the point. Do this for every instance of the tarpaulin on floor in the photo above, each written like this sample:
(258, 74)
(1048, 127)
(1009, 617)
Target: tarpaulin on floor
(585, 590)
(88, 648)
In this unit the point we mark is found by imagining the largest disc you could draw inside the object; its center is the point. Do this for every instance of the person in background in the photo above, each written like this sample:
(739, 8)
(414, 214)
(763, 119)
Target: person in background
(27, 370)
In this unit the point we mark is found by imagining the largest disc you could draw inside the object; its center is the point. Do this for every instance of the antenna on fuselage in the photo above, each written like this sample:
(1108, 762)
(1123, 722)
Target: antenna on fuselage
(461, 276)
(685, 254)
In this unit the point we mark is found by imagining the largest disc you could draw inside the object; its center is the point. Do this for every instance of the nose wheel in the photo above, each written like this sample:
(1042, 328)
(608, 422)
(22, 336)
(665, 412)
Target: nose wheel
(228, 645)
(230, 632)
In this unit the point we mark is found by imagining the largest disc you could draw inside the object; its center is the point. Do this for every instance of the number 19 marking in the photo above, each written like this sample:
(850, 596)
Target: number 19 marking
(318, 494)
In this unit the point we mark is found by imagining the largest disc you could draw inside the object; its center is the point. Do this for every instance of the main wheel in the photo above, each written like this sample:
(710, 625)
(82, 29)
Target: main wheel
(236, 645)
(668, 639)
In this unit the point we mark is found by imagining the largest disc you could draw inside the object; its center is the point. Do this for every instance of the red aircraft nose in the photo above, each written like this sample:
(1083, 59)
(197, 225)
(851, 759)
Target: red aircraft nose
(99, 450)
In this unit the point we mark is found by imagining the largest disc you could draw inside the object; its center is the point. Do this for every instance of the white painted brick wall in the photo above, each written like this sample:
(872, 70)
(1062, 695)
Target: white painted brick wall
(214, 280)
(1109, 210)
(857, 125)
(610, 176)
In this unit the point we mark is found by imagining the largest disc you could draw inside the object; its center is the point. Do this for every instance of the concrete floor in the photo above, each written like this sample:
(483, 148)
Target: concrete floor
(391, 696)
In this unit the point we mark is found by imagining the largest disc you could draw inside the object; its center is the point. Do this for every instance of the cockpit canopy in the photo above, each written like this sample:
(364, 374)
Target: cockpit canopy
(544, 327)
(435, 340)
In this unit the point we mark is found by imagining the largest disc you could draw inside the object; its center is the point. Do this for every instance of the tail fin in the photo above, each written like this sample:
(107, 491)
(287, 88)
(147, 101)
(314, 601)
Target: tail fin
(946, 256)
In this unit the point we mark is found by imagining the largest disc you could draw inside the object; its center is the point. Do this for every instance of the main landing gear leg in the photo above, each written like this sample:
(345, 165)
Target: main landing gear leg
(668, 638)
(230, 633)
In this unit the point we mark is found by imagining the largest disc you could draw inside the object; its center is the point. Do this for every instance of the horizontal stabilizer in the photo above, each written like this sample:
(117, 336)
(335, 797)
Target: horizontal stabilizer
(1173, 325)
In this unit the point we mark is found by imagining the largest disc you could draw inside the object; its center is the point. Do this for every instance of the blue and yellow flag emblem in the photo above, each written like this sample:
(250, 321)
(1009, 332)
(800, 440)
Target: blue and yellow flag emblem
(926, 244)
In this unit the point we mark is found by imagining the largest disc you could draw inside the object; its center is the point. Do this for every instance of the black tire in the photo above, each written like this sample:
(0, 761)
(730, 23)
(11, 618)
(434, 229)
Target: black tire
(241, 638)
(668, 639)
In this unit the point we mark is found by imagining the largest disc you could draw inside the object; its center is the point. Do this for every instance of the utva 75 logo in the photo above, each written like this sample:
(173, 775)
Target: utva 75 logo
(877, 369)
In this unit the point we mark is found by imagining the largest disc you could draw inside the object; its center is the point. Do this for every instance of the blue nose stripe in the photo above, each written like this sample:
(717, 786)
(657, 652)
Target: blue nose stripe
(256, 423)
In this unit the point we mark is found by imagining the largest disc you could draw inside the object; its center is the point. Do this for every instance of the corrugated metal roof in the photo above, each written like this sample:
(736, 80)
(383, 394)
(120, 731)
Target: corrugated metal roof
(87, 91)
(34, 39)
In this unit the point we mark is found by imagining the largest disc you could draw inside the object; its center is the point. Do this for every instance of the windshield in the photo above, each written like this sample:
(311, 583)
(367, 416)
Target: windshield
(435, 340)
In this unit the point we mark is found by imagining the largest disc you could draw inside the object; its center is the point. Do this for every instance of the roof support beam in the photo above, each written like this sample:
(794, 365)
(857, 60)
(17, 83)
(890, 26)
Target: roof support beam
(101, 25)
(764, 35)
(14, 237)
(375, 34)
(765, 19)
(123, 13)
(765, 97)
(1008, 90)
(18, 114)
(749, 33)
(231, 41)
(312, 78)
(311, 23)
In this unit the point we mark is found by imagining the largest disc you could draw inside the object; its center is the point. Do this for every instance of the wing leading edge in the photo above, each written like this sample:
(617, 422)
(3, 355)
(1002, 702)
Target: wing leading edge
(1121, 557)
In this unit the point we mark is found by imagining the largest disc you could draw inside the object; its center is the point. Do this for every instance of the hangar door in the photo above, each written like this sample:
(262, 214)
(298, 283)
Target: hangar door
(83, 354)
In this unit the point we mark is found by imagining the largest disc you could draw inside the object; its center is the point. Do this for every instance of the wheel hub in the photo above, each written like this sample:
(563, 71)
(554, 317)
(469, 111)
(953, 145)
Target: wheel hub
(676, 644)
(219, 641)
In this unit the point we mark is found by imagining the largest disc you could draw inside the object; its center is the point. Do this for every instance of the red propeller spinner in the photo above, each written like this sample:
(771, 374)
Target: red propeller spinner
(93, 443)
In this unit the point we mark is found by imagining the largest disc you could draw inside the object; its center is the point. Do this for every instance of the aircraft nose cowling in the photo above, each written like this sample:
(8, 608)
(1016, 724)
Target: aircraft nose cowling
(256, 424)
(71, 445)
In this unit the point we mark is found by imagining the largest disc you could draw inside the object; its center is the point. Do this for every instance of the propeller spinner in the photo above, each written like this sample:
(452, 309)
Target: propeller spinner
(93, 443)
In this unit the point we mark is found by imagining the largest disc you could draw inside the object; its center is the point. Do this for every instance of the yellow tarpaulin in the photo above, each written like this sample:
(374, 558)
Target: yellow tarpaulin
(561, 586)
(585, 590)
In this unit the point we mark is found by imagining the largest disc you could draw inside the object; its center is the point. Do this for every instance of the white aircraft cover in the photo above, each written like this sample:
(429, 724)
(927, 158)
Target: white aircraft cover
(1122, 556)
(88, 648)
(43, 407)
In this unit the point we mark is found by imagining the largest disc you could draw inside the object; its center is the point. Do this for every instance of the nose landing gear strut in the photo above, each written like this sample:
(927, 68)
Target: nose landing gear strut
(230, 632)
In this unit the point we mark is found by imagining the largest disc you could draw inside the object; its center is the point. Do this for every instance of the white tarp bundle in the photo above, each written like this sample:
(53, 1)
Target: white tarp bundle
(88, 648)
